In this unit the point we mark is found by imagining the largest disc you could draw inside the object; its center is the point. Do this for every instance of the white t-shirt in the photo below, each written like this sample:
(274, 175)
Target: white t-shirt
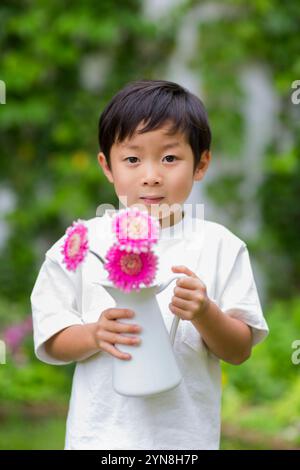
(186, 417)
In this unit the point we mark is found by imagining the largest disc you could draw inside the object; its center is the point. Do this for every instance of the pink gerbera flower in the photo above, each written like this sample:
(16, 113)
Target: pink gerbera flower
(129, 270)
(136, 230)
(75, 246)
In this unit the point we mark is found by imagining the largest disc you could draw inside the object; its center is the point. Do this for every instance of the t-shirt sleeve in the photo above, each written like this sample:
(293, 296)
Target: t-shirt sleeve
(54, 307)
(239, 292)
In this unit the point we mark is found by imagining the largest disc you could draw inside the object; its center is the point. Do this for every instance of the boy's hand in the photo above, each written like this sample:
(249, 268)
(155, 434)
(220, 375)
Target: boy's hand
(190, 299)
(108, 331)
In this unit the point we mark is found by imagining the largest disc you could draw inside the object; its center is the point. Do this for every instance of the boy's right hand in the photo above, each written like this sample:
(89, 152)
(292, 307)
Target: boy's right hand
(108, 331)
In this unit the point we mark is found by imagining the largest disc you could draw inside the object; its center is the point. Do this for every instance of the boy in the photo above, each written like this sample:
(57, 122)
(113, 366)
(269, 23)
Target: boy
(154, 143)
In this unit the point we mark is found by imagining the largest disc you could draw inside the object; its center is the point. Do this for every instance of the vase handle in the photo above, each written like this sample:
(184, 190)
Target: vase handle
(176, 319)
(165, 284)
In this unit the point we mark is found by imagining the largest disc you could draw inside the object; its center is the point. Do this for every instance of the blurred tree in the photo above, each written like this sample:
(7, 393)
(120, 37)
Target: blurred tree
(260, 32)
(62, 62)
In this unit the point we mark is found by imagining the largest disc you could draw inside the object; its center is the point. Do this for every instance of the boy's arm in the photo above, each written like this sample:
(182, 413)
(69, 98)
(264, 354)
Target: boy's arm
(75, 343)
(228, 338)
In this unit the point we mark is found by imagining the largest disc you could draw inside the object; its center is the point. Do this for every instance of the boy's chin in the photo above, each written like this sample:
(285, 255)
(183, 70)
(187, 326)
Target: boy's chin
(165, 215)
(155, 210)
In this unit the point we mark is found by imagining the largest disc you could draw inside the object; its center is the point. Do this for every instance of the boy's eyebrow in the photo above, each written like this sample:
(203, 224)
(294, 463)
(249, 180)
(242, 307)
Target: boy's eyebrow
(163, 147)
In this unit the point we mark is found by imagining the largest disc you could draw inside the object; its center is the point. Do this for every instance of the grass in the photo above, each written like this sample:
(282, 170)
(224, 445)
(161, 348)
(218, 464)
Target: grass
(38, 434)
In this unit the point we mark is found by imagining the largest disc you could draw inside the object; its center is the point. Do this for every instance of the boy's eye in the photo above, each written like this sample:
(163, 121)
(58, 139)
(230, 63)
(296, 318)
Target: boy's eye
(130, 158)
(133, 159)
(170, 156)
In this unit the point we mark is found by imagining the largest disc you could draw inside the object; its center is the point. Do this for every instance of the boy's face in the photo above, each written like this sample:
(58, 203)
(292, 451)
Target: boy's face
(154, 164)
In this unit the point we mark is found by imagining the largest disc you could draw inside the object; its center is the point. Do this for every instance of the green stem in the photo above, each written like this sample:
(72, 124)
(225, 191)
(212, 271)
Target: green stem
(97, 256)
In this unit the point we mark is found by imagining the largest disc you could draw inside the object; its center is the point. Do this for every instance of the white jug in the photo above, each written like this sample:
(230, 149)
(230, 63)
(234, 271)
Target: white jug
(152, 368)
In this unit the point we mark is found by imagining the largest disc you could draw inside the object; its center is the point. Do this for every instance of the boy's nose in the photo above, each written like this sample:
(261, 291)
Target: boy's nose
(152, 178)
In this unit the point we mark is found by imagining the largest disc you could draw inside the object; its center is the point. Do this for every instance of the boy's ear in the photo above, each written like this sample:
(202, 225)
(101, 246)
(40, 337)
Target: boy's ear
(202, 165)
(103, 163)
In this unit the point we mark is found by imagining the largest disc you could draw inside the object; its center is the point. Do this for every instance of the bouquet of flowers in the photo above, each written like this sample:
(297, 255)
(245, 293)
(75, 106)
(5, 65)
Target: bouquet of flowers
(130, 261)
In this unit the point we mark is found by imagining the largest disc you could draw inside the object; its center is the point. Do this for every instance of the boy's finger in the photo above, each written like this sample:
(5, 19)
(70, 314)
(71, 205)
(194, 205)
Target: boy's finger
(185, 270)
(120, 327)
(113, 313)
(116, 353)
(190, 273)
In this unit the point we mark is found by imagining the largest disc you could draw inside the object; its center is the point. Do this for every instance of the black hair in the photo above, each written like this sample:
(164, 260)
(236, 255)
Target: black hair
(154, 102)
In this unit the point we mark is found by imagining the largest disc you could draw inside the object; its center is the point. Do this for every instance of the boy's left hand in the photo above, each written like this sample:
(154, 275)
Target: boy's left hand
(190, 298)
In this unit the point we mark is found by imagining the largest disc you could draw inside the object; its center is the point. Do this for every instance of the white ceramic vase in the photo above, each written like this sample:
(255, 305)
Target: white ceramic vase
(152, 368)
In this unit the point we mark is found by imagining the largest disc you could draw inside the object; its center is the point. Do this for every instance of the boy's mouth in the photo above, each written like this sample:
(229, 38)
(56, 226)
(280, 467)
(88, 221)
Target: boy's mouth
(151, 200)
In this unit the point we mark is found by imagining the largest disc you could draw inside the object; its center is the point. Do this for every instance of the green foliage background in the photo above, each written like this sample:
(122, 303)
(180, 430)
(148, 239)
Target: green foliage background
(48, 130)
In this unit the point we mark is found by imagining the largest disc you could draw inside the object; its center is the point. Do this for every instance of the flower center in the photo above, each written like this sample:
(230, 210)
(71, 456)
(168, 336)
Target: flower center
(131, 263)
(135, 228)
(74, 245)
